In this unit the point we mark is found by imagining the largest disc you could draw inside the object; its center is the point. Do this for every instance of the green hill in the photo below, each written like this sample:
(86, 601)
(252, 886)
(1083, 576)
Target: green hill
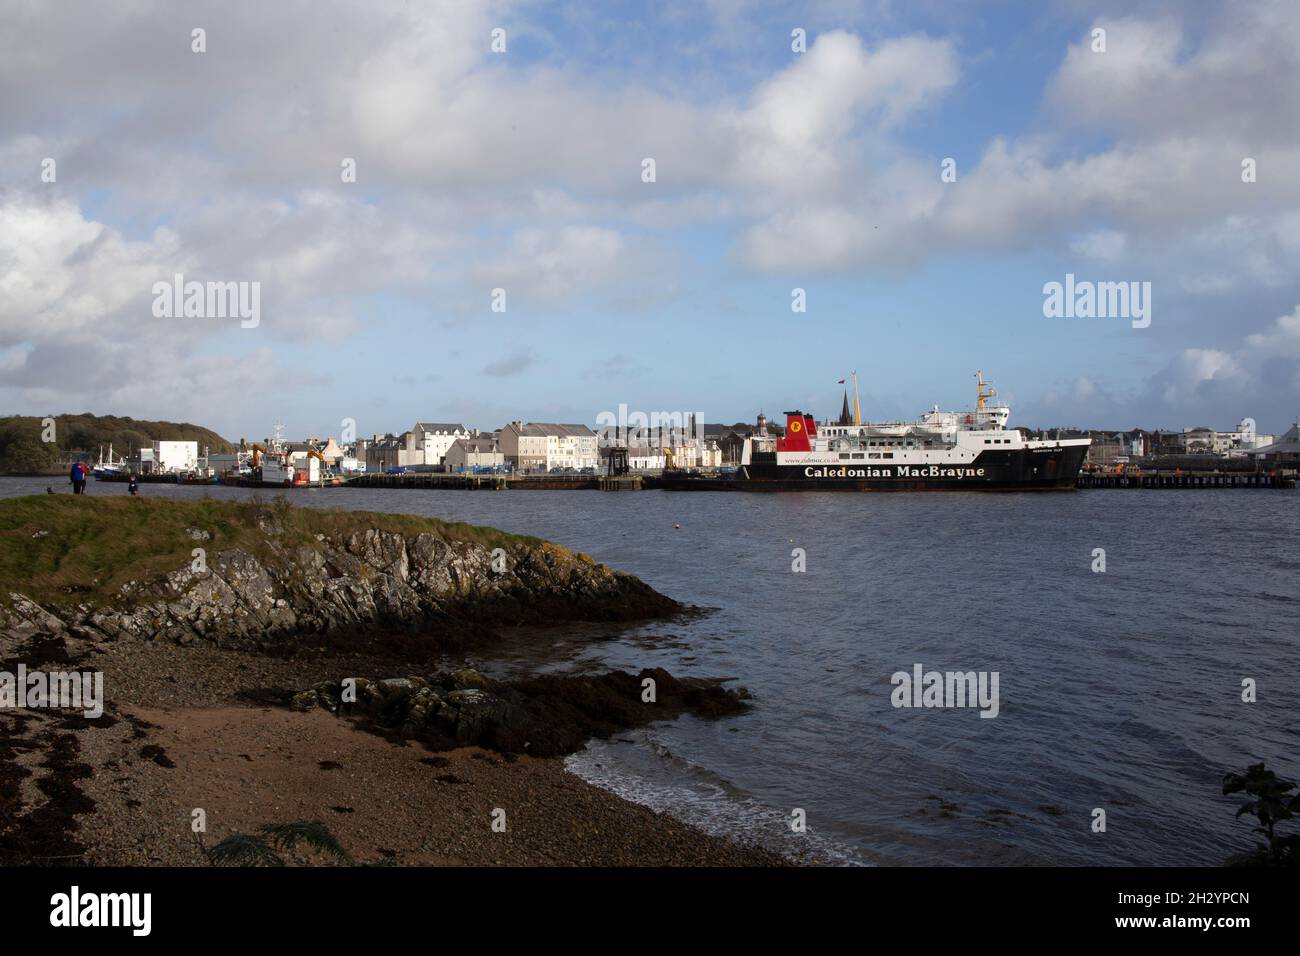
(22, 450)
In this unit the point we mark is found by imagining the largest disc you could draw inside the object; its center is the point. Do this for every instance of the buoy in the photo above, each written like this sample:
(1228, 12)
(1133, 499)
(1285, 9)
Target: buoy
(677, 526)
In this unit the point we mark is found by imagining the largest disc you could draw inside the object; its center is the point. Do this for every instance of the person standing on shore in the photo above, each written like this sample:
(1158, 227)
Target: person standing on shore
(133, 486)
(78, 477)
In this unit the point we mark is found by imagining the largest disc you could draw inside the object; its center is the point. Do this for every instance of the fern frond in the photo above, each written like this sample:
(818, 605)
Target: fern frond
(286, 836)
(240, 849)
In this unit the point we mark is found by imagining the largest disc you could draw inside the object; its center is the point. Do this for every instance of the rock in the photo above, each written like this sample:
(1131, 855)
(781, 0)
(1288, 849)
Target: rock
(395, 688)
(468, 677)
(467, 698)
(347, 582)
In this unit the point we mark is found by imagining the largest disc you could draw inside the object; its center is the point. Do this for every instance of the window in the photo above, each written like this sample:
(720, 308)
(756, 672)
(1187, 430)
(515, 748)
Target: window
(889, 454)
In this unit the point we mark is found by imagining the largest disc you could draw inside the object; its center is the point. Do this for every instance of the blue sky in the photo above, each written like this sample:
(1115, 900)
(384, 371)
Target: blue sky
(775, 170)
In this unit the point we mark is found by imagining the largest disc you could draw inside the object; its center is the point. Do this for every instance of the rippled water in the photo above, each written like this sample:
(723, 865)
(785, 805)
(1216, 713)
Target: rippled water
(1119, 691)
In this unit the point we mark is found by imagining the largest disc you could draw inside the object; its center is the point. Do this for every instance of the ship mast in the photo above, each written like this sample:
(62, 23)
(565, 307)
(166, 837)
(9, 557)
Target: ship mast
(981, 395)
(857, 406)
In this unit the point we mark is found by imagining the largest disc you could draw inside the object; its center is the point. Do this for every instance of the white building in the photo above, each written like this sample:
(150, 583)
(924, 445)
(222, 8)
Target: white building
(695, 453)
(305, 463)
(1242, 441)
(434, 439)
(177, 456)
(536, 446)
(640, 458)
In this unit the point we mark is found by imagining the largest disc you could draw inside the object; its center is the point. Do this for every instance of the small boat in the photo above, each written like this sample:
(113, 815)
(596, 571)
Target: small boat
(888, 430)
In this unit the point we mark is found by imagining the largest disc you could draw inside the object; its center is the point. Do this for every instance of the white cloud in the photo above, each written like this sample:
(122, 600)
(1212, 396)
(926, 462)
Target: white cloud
(1282, 339)
(798, 133)
(479, 170)
(61, 274)
(1102, 245)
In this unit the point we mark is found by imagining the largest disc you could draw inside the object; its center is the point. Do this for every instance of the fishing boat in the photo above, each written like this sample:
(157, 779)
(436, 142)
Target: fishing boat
(109, 470)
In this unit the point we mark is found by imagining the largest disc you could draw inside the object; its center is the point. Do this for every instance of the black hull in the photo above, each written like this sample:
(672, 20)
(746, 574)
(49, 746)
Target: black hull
(1040, 469)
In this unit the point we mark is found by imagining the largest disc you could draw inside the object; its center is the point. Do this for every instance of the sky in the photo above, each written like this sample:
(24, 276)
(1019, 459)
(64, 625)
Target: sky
(523, 169)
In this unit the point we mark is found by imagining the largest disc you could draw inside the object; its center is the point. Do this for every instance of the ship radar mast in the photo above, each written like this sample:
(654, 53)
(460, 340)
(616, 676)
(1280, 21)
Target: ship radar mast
(981, 395)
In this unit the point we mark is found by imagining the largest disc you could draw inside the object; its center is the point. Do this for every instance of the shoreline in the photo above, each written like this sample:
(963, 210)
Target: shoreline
(180, 734)
(196, 727)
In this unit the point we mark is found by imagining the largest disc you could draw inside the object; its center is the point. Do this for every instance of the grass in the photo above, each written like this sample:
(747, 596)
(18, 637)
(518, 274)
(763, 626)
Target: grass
(62, 548)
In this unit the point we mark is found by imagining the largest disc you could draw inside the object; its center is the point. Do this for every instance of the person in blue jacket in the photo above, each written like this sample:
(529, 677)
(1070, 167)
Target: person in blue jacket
(78, 477)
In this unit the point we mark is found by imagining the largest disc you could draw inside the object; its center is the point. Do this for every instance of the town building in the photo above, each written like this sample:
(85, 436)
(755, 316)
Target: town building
(1284, 451)
(175, 456)
(548, 446)
(383, 453)
(639, 458)
(1243, 440)
(642, 458)
(468, 454)
(434, 439)
(730, 440)
(223, 464)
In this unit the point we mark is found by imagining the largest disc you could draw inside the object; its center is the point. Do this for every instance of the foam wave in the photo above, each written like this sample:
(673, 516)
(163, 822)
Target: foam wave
(640, 769)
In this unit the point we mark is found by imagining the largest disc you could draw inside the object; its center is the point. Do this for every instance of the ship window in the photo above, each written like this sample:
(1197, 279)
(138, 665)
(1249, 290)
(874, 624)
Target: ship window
(844, 454)
(889, 454)
(987, 442)
(874, 454)
(857, 454)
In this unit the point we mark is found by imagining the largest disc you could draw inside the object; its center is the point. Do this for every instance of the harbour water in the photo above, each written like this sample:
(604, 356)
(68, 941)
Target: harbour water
(1119, 691)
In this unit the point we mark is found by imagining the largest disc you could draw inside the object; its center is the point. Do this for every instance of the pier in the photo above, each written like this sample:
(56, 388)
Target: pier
(165, 478)
(1279, 478)
(471, 482)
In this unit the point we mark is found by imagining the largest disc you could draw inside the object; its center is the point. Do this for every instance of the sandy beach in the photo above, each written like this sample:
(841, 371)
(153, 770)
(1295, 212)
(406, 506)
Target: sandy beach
(183, 731)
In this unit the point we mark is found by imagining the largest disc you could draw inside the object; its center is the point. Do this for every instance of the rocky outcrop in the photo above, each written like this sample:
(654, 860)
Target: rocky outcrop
(351, 581)
(543, 716)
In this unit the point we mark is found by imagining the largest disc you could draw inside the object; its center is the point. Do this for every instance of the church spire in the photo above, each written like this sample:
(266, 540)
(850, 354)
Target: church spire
(845, 418)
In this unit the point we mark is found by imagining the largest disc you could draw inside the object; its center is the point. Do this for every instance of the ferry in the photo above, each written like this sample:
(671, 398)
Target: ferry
(939, 451)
